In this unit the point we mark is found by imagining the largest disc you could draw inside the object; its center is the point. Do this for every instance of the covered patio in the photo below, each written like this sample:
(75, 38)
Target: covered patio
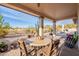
(52, 11)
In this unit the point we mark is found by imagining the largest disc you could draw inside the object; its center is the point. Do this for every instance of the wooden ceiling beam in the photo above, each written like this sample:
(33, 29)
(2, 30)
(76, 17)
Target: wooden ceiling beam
(68, 17)
(25, 9)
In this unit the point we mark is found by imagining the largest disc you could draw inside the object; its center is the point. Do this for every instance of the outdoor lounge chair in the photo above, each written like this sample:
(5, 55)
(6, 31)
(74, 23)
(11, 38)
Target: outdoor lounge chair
(23, 48)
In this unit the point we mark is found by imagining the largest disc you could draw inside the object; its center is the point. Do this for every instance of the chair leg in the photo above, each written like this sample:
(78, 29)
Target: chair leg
(20, 53)
(59, 52)
(41, 54)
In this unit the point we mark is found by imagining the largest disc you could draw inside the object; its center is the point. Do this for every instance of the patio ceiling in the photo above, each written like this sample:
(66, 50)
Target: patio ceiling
(53, 11)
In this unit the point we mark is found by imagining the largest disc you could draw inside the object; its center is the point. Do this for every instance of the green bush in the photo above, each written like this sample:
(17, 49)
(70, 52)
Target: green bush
(75, 37)
(3, 32)
(3, 47)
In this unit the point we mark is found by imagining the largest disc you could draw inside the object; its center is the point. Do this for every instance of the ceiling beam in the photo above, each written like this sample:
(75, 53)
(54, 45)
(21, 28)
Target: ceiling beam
(25, 9)
(68, 17)
(15, 7)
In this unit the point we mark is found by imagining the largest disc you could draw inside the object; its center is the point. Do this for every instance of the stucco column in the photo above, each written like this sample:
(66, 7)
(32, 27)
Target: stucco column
(41, 26)
(78, 26)
(62, 27)
(54, 27)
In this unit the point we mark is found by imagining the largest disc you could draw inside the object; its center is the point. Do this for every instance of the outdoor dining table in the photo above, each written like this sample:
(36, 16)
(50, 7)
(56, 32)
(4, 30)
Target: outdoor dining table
(39, 43)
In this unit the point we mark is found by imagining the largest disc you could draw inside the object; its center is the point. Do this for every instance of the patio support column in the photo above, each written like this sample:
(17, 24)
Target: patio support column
(78, 26)
(41, 26)
(54, 27)
(62, 27)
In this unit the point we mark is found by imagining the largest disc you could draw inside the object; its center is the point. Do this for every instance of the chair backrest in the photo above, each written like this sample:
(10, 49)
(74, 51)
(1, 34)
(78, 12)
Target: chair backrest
(54, 46)
(23, 49)
(56, 43)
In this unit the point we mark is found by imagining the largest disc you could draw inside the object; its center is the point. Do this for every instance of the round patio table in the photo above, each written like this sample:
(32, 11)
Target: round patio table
(39, 43)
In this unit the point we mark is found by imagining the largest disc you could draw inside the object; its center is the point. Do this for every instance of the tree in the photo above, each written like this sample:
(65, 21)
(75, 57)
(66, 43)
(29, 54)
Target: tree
(4, 27)
(1, 21)
(70, 26)
(58, 27)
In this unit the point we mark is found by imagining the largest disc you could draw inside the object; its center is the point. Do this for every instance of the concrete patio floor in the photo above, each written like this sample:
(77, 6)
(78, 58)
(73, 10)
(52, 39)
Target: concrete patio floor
(69, 52)
(64, 51)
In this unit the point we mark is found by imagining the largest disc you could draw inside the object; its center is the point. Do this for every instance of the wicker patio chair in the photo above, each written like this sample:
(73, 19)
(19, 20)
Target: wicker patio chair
(54, 48)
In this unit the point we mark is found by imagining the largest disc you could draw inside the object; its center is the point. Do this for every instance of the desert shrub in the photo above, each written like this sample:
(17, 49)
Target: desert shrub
(16, 31)
(3, 47)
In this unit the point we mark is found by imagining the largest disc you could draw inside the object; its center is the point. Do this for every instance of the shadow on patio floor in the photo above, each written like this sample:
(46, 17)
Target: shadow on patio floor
(69, 52)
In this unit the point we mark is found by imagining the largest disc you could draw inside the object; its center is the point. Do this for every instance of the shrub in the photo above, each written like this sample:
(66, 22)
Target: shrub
(3, 47)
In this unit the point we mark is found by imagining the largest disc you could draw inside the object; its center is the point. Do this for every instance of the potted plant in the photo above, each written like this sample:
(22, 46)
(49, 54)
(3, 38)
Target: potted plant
(71, 40)
(75, 38)
(3, 47)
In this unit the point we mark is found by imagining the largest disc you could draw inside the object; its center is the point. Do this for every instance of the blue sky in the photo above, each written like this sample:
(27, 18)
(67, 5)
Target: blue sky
(19, 19)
